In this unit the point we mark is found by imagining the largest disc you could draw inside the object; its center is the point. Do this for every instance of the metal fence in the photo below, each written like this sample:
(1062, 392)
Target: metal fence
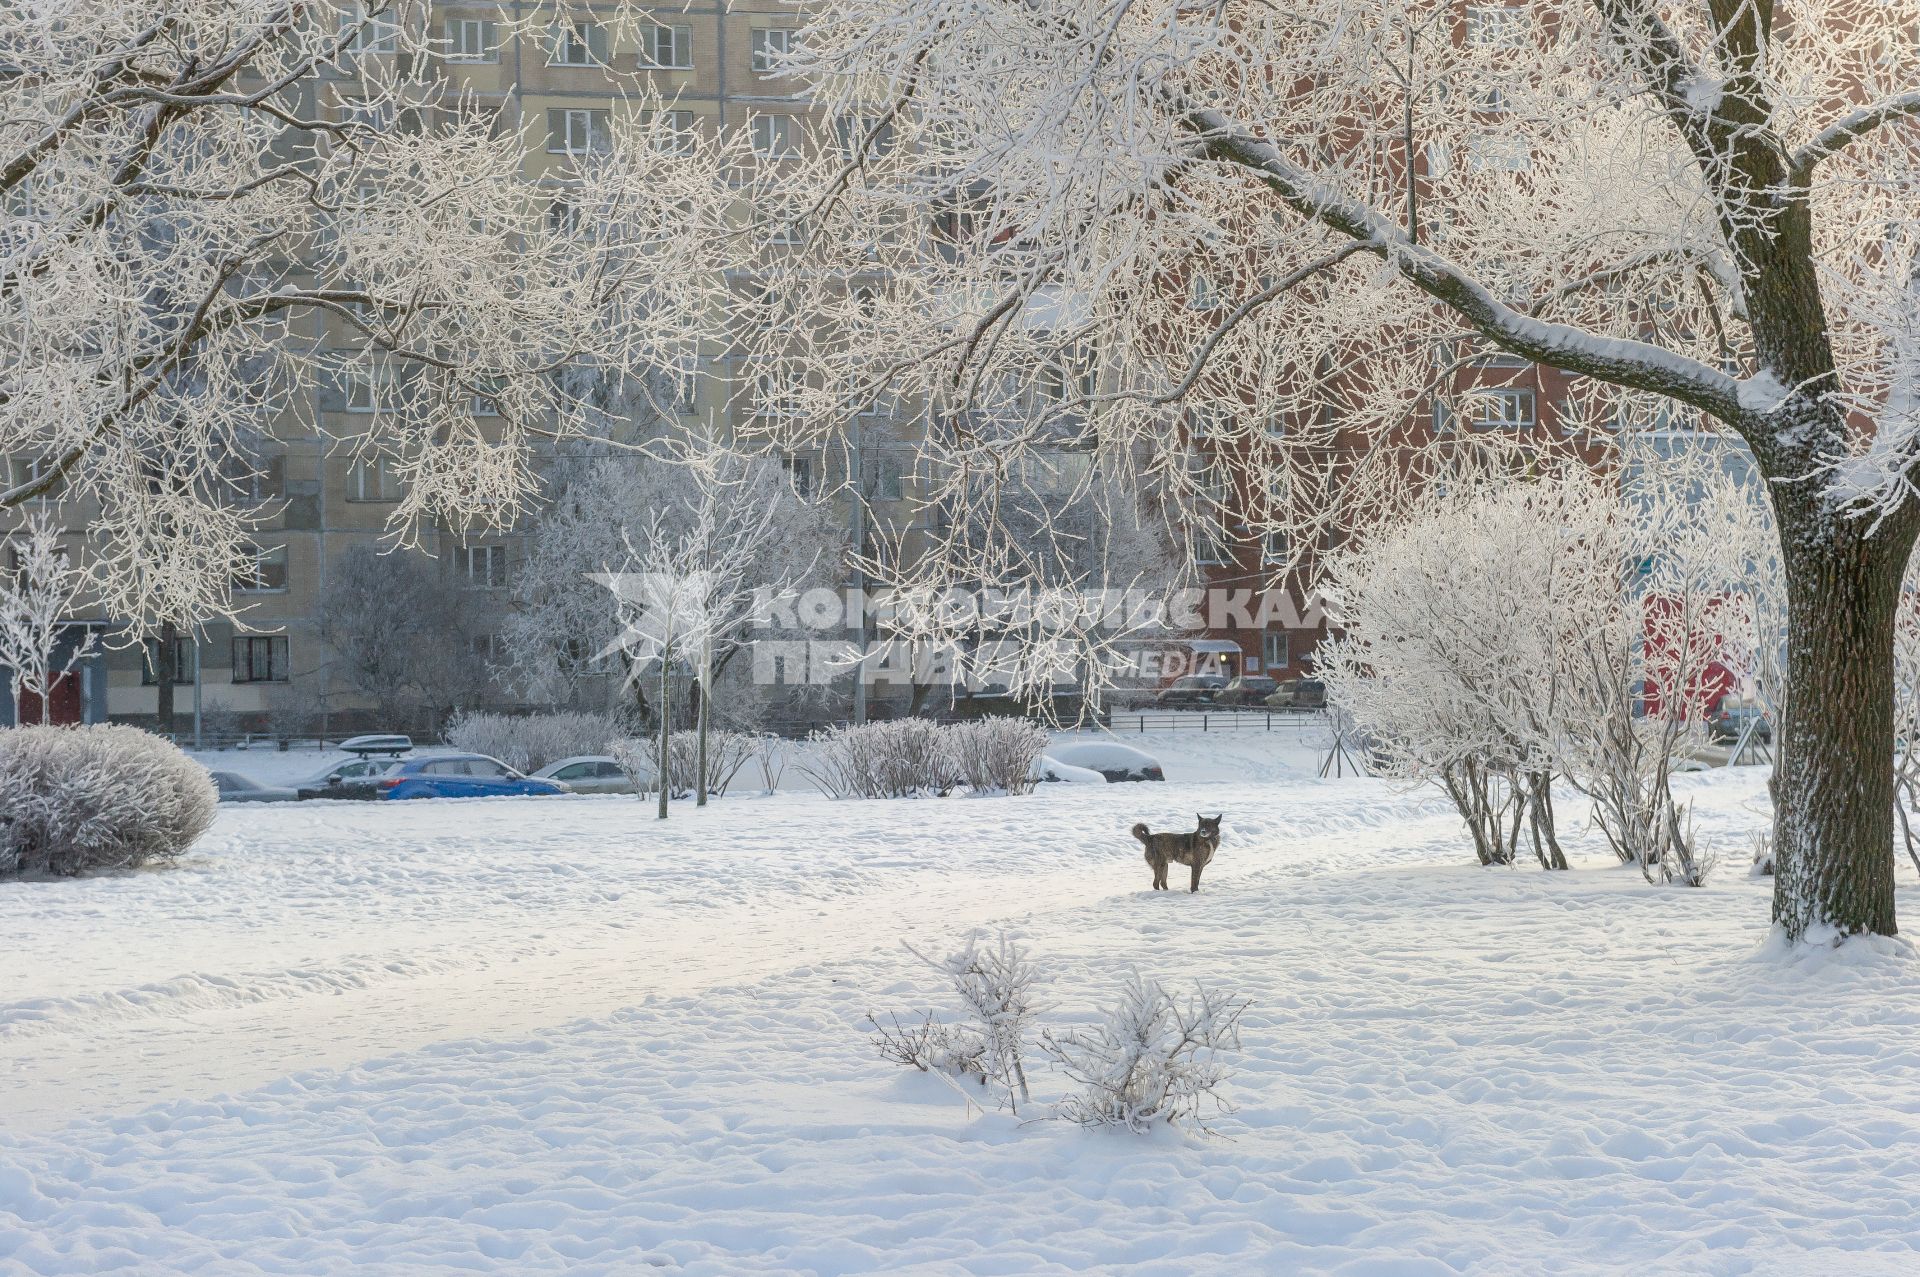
(1218, 719)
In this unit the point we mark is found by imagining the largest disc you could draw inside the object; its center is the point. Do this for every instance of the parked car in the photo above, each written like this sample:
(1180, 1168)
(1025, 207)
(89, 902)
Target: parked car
(1048, 768)
(1111, 759)
(459, 776)
(1194, 689)
(1726, 724)
(1248, 689)
(391, 744)
(235, 788)
(349, 778)
(1299, 693)
(588, 774)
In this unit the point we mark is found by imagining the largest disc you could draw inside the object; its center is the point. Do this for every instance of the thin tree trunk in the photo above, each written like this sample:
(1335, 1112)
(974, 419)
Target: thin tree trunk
(164, 672)
(700, 740)
(661, 779)
(1833, 785)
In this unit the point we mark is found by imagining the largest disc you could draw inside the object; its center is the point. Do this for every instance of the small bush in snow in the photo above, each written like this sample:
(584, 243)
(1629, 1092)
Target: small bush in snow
(770, 753)
(896, 759)
(996, 755)
(995, 986)
(529, 741)
(1762, 865)
(76, 799)
(1152, 1059)
(727, 753)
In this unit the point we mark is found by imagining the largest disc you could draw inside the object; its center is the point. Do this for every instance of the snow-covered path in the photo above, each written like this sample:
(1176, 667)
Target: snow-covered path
(1447, 1070)
(319, 935)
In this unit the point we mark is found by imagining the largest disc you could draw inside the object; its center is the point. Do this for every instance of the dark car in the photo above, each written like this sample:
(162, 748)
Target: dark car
(351, 778)
(459, 776)
(1726, 725)
(1248, 689)
(1195, 689)
(1299, 693)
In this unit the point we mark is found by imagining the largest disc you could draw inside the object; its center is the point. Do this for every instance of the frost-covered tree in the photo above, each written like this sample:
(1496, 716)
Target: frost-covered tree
(213, 212)
(37, 601)
(564, 622)
(1279, 231)
(389, 618)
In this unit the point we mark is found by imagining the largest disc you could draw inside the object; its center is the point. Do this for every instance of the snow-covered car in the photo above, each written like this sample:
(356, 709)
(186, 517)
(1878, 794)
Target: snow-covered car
(1111, 759)
(390, 744)
(235, 788)
(588, 774)
(348, 778)
(1048, 768)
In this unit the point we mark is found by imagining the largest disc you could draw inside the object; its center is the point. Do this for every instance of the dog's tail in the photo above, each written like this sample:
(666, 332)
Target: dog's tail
(1141, 831)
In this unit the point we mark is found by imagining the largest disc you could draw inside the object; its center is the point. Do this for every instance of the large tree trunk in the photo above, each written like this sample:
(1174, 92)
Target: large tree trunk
(1833, 785)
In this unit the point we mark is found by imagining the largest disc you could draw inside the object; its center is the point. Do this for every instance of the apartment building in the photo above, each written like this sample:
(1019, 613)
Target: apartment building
(716, 64)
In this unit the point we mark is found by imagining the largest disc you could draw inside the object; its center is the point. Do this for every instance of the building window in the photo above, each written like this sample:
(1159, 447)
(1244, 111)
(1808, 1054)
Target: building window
(673, 131)
(775, 396)
(874, 132)
(799, 473)
(486, 401)
(485, 648)
(1274, 546)
(1496, 27)
(773, 136)
(370, 35)
(367, 386)
(253, 476)
(1508, 409)
(771, 45)
(266, 573)
(579, 44)
(483, 566)
(889, 477)
(25, 470)
(1273, 650)
(577, 131)
(666, 48)
(471, 40)
(260, 658)
(1209, 549)
(372, 479)
(185, 652)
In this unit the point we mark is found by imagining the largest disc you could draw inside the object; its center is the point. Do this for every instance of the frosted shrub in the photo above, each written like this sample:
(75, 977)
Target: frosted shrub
(727, 753)
(897, 759)
(76, 799)
(994, 984)
(769, 753)
(529, 741)
(1153, 1059)
(996, 755)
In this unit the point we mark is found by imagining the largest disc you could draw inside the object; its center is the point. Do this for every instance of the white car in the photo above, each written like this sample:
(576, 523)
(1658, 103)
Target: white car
(235, 788)
(1110, 758)
(341, 779)
(1046, 767)
(588, 774)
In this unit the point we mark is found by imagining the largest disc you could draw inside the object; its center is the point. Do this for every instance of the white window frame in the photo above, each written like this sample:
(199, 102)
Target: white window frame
(370, 35)
(675, 43)
(1503, 408)
(471, 40)
(264, 556)
(769, 131)
(1497, 26)
(578, 118)
(769, 47)
(570, 44)
(385, 485)
(367, 386)
(1268, 646)
(483, 567)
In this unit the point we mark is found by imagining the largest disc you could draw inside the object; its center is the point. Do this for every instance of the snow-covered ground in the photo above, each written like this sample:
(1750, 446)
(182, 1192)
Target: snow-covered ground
(550, 1035)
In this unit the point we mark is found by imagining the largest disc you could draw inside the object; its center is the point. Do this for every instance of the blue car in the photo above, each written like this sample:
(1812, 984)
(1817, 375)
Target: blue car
(458, 776)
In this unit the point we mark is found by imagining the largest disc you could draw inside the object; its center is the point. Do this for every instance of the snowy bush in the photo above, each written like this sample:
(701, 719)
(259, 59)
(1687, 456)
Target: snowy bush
(896, 759)
(727, 753)
(1761, 861)
(528, 742)
(769, 753)
(75, 799)
(995, 987)
(1152, 1059)
(996, 755)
